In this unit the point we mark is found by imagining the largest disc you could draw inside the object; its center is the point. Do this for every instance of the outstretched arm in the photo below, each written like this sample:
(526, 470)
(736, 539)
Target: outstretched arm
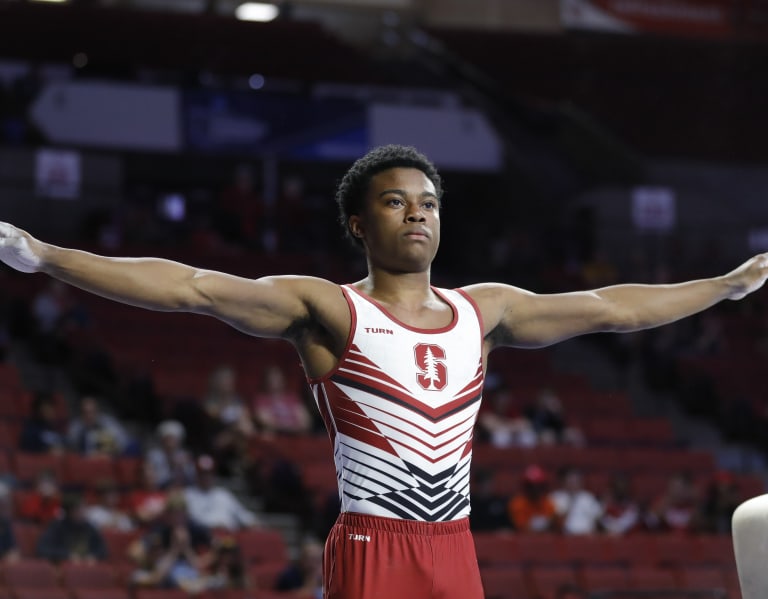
(515, 317)
(266, 307)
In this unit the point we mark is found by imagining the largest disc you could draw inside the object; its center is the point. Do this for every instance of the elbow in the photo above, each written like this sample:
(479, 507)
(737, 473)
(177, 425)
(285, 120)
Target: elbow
(619, 319)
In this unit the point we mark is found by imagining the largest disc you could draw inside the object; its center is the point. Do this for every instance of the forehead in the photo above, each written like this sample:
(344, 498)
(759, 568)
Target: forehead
(410, 180)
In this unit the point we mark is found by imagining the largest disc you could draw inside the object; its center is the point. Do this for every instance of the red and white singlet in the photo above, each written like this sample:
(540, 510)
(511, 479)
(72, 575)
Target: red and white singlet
(400, 409)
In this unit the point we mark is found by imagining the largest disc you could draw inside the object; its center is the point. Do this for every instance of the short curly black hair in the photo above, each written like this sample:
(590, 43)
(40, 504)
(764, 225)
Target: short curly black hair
(350, 194)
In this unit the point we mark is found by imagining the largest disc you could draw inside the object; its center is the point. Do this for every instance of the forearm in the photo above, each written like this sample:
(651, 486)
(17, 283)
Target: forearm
(151, 283)
(636, 307)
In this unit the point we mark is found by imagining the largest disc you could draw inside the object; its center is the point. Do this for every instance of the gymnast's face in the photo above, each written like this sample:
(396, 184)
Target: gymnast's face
(400, 223)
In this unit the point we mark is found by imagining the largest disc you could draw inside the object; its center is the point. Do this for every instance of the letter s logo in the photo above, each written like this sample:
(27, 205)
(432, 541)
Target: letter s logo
(430, 360)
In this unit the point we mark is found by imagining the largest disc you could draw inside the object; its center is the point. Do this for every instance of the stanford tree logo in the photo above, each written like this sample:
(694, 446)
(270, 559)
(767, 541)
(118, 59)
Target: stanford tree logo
(430, 360)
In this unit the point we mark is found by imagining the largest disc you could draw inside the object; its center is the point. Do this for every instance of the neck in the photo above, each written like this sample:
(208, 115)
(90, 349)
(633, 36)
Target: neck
(400, 287)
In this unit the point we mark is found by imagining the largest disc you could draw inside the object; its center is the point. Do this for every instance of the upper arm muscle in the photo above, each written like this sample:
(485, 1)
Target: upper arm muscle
(265, 307)
(519, 318)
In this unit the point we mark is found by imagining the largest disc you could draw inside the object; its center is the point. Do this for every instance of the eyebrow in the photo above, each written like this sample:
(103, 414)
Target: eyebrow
(402, 192)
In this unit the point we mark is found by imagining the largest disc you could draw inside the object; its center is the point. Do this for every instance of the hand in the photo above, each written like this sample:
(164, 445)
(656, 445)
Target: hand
(19, 249)
(748, 277)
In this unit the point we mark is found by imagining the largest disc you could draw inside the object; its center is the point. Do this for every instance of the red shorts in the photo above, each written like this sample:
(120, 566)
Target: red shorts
(367, 557)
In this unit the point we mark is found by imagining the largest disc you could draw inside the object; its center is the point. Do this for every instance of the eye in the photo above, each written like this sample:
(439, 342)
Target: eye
(430, 204)
(395, 202)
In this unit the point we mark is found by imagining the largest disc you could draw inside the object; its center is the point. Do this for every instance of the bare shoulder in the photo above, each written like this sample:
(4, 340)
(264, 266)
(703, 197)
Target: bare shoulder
(495, 301)
(323, 299)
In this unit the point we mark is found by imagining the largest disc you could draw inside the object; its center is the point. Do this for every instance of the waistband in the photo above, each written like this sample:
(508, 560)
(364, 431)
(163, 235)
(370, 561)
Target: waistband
(403, 526)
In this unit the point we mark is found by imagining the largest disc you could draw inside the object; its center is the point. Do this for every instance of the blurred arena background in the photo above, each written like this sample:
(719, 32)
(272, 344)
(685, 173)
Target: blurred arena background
(582, 142)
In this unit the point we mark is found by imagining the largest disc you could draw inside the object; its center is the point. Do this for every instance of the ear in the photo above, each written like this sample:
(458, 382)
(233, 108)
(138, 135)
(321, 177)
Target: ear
(355, 226)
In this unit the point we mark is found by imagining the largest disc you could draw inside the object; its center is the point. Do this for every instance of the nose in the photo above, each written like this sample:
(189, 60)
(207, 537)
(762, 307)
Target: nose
(414, 214)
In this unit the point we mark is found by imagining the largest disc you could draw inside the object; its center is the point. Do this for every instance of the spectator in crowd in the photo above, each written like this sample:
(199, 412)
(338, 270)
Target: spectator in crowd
(175, 553)
(215, 506)
(621, 511)
(41, 432)
(226, 569)
(278, 409)
(106, 513)
(532, 509)
(675, 510)
(94, 433)
(489, 509)
(547, 417)
(147, 503)
(55, 307)
(577, 508)
(502, 424)
(71, 537)
(239, 212)
(304, 577)
(721, 498)
(171, 462)
(56, 313)
(42, 504)
(9, 551)
(230, 416)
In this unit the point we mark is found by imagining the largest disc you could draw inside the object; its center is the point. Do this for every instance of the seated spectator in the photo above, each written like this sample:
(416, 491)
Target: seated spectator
(9, 551)
(42, 504)
(106, 513)
(532, 509)
(721, 498)
(578, 508)
(224, 572)
(93, 432)
(71, 537)
(147, 504)
(56, 314)
(230, 416)
(547, 417)
(502, 424)
(41, 432)
(621, 512)
(214, 506)
(175, 553)
(305, 576)
(675, 510)
(279, 410)
(171, 462)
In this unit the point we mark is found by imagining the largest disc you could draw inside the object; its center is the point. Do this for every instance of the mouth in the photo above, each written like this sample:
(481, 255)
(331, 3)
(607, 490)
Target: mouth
(418, 234)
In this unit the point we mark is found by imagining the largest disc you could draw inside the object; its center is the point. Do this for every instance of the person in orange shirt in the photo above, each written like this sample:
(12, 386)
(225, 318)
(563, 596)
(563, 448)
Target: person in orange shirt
(532, 509)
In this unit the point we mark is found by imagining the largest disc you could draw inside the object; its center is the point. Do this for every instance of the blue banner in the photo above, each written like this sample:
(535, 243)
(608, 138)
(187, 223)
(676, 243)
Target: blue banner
(280, 124)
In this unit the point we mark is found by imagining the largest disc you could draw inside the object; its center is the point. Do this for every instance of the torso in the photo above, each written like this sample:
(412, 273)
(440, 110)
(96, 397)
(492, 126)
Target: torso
(400, 405)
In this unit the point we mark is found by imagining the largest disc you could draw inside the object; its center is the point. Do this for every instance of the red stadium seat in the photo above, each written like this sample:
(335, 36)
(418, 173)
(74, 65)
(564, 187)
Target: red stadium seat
(503, 582)
(714, 549)
(497, 549)
(262, 545)
(97, 593)
(649, 579)
(605, 578)
(30, 573)
(701, 578)
(672, 549)
(26, 538)
(551, 582)
(117, 544)
(85, 471)
(266, 574)
(27, 466)
(41, 593)
(541, 548)
(80, 575)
